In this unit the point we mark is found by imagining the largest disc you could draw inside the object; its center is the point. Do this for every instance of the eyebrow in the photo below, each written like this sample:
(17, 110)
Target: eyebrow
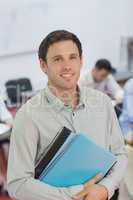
(57, 56)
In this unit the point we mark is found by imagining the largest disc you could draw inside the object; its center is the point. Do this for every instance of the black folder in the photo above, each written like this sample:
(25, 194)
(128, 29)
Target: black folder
(53, 148)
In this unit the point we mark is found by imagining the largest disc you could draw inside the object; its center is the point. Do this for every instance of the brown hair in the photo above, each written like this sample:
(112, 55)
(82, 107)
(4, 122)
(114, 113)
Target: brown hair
(57, 36)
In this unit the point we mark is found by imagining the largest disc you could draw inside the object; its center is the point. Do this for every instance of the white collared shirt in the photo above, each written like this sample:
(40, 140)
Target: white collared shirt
(35, 126)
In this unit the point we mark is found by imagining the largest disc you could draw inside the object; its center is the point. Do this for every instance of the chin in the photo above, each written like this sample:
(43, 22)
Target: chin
(69, 87)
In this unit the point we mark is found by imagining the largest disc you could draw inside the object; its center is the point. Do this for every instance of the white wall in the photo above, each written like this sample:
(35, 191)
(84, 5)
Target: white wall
(25, 65)
(99, 25)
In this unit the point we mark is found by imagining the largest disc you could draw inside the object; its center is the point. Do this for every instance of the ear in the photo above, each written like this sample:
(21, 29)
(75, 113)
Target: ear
(43, 65)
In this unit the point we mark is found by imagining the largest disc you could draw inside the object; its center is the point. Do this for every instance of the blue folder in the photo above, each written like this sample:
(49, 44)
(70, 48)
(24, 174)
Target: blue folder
(78, 160)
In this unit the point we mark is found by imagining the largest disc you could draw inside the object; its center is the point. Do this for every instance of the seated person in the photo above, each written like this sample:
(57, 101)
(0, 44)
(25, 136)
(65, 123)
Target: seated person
(100, 78)
(126, 118)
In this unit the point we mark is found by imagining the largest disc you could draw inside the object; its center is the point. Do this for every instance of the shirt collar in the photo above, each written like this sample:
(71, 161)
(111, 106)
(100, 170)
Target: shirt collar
(58, 104)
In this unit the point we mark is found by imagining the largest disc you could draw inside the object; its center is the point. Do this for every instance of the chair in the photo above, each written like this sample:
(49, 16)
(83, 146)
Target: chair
(17, 89)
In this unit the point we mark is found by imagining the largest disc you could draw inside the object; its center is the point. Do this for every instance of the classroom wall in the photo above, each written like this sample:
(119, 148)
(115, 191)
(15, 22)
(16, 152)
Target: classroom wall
(100, 26)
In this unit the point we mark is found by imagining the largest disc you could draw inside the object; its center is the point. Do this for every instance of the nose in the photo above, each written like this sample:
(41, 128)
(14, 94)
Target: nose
(66, 65)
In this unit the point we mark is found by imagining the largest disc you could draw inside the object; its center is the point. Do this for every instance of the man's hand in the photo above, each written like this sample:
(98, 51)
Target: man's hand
(95, 192)
(92, 191)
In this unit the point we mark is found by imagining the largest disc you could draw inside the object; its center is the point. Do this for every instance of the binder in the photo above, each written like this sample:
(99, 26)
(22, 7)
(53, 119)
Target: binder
(73, 159)
(53, 148)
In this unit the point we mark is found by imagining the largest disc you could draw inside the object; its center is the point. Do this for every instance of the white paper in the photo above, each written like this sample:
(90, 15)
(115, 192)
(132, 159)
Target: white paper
(4, 128)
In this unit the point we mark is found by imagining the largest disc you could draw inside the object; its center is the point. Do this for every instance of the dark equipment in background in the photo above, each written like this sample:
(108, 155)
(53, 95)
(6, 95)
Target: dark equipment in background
(18, 90)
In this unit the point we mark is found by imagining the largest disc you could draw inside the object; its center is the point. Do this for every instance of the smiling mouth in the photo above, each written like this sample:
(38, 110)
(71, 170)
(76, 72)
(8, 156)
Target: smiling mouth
(67, 76)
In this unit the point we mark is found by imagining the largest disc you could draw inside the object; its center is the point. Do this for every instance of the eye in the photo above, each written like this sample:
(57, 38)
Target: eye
(58, 59)
(73, 57)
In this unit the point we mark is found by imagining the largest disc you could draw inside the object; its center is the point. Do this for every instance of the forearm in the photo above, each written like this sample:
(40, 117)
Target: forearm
(117, 147)
(36, 190)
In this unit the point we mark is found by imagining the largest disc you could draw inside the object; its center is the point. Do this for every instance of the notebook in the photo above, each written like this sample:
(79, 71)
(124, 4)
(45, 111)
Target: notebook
(73, 159)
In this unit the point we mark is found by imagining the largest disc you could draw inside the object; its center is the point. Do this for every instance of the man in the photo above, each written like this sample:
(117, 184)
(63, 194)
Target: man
(62, 103)
(100, 78)
(126, 118)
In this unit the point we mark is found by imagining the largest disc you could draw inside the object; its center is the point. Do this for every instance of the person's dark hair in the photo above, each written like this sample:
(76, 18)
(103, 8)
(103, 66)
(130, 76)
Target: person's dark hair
(104, 64)
(57, 36)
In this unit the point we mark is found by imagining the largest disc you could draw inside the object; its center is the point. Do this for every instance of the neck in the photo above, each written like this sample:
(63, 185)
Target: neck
(70, 97)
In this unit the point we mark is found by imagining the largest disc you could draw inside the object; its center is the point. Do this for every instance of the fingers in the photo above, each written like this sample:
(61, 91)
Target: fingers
(84, 192)
(94, 180)
(87, 186)
(81, 195)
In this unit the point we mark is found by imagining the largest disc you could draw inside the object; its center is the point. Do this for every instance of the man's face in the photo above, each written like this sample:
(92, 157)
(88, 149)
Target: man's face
(99, 75)
(63, 65)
